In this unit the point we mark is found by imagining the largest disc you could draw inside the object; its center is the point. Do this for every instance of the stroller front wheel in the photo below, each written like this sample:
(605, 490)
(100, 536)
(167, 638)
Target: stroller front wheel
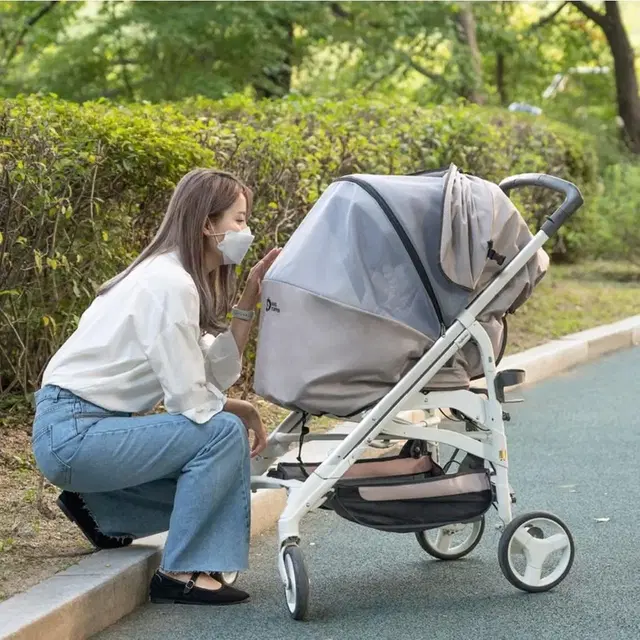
(229, 577)
(453, 541)
(296, 588)
(536, 551)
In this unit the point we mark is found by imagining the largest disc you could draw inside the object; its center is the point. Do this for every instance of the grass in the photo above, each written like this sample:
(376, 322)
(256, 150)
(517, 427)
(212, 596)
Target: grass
(36, 541)
(573, 298)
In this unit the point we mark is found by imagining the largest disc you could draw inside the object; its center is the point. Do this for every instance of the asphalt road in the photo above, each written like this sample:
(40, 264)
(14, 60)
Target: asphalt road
(574, 451)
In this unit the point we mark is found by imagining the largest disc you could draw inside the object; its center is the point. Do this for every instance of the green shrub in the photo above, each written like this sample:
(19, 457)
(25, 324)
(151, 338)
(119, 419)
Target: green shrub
(80, 188)
(387, 137)
(617, 207)
(84, 187)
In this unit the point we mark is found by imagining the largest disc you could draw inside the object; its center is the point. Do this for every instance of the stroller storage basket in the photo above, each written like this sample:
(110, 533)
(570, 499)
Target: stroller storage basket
(403, 502)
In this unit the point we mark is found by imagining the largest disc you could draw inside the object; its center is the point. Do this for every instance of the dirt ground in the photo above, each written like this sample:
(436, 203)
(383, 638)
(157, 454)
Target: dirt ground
(36, 540)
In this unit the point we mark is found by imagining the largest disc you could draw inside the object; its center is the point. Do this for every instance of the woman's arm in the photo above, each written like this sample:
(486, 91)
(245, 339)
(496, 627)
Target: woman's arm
(250, 298)
(241, 329)
(252, 421)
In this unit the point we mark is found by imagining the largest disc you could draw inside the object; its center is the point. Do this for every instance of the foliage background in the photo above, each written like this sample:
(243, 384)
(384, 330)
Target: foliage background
(107, 104)
(84, 187)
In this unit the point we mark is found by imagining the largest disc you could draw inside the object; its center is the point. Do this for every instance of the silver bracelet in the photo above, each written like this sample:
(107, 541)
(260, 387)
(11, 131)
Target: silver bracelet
(242, 314)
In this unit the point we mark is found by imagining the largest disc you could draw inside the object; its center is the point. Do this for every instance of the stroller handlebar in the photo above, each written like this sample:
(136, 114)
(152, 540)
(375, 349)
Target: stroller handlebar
(572, 202)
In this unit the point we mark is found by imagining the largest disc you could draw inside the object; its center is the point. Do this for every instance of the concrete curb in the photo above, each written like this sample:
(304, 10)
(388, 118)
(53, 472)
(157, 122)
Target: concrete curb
(105, 587)
(565, 353)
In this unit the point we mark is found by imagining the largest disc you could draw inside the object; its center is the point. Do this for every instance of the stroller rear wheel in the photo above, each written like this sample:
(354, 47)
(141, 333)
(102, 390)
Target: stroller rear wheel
(296, 588)
(453, 541)
(536, 551)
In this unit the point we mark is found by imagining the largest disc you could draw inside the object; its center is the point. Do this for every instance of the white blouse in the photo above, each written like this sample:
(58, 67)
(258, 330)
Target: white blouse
(140, 343)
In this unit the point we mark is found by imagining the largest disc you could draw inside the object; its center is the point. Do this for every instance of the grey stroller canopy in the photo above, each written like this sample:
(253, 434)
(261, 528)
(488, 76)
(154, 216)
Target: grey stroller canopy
(378, 269)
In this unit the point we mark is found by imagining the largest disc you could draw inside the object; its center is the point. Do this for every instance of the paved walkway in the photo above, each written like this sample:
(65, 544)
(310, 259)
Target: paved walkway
(574, 450)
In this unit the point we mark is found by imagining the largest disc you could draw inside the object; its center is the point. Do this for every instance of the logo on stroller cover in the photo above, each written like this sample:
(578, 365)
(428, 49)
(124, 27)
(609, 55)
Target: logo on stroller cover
(271, 306)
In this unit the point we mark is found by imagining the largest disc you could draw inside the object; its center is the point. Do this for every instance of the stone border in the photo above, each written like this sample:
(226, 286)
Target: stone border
(570, 351)
(103, 588)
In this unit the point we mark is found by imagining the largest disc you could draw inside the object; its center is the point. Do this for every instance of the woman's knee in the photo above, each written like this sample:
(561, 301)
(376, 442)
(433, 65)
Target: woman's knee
(231, 427)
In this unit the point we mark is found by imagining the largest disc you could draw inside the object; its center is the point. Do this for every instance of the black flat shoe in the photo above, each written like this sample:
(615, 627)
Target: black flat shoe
(166, 590)
(72, 505)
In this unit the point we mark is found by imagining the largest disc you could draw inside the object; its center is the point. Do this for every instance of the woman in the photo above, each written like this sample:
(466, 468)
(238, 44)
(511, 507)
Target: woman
(149, 336)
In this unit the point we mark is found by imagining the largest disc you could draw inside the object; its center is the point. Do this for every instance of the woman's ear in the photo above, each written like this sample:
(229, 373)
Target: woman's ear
(208, 229)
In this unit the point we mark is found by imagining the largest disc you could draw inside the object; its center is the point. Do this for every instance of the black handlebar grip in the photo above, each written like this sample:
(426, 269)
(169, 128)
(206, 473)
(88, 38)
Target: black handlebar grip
(572, 202)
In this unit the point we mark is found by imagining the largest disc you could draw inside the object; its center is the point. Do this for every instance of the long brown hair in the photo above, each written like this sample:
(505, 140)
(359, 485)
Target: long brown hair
(200, 195)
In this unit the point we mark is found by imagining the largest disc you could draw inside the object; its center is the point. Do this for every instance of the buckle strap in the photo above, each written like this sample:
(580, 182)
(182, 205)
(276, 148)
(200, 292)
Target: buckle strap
(192, 582)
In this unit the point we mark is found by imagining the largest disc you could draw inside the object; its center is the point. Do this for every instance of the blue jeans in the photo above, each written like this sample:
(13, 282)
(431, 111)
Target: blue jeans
(140, 475)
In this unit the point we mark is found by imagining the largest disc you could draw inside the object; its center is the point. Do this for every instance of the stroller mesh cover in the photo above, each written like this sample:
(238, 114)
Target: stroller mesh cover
(378, 269)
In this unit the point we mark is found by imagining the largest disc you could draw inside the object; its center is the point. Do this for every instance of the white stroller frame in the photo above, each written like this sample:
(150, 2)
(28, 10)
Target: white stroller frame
(489, 442)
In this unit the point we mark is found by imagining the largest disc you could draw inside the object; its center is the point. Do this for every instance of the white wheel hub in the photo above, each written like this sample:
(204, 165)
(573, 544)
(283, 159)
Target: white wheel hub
(546, 548)
(229, 577)
(454, 538)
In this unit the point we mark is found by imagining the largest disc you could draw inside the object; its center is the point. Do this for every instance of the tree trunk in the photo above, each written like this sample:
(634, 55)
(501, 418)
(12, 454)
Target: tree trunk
(279, 78)
(624, 67)
(625, 74)
(500, 79)
(467, 36)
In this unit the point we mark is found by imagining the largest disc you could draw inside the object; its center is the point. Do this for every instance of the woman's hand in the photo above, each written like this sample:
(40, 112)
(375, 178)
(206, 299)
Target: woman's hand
(252, 422)
(251, 294)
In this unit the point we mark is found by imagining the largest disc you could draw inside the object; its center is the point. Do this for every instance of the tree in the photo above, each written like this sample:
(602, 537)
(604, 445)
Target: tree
(26, 29)
(468, 37)
(485, 52)
(384, 43)
(171, 50)
(523, 46)
(623, 55)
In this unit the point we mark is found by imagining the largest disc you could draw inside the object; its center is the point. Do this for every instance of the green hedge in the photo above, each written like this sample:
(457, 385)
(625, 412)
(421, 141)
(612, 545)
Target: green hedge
(84, 186)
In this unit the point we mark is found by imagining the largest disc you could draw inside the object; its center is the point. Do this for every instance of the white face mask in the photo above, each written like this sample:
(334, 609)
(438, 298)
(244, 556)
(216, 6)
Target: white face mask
(234, 246)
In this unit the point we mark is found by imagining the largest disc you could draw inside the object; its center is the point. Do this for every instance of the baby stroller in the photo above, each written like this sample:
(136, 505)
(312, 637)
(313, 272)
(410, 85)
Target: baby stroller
(391, 297)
